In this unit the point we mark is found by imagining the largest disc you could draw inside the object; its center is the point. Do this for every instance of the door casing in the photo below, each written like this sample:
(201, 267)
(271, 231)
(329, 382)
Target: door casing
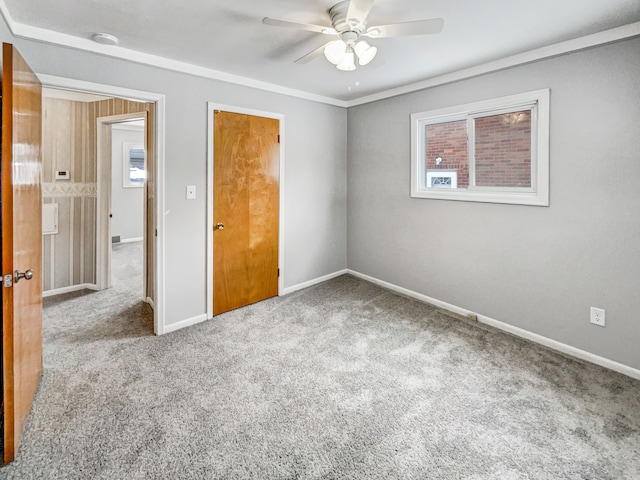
(159, 303)
(103, 234)
(211, 107)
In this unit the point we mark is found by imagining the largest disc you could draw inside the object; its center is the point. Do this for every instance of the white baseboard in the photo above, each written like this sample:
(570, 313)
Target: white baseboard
(520, 332)
(151, 303)
(418, 296)
(130, 240)
(69, 289)
(172, 327)
(562, 347)
(315, 281)
(201, 318)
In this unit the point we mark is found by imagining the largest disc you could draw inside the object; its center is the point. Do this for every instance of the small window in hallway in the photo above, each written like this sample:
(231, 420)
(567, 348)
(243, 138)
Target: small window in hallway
(133, 168)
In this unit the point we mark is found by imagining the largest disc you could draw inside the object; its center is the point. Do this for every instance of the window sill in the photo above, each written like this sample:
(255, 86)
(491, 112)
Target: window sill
(540, 199)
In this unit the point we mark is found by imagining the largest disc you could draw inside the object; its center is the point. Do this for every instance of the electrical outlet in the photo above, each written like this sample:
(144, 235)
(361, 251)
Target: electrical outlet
(597, 316)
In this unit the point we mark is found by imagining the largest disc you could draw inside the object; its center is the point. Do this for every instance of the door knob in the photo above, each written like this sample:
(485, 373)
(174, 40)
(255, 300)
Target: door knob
(28, 275)
(219, 226)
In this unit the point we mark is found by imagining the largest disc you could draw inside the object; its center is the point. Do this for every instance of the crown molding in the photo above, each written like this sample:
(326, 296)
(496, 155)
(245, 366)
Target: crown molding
(29, 32)
(48, 36)
(601, 38)
(8, 19)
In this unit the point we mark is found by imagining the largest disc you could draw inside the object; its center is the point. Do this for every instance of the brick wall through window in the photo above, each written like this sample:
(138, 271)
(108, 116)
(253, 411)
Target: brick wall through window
(502, 149)
(448, 140)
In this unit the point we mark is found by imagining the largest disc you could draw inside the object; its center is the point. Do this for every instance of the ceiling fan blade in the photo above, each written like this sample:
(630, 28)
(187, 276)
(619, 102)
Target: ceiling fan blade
(358, 11)
(300, 26)
(311, 55)
(419, 27)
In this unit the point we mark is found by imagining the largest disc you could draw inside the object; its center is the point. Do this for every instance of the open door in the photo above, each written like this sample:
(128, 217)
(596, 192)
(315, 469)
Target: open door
(21, 220)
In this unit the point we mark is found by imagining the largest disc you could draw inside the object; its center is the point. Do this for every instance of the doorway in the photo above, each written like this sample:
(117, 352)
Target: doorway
(77, 171)
(151, 107)
(245, 203)
(126, 260)
(122, 187)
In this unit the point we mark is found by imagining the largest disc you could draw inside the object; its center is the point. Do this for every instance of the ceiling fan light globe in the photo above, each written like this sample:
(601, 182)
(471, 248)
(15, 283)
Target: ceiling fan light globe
(365, 52)
(348, 64)
(335, 51)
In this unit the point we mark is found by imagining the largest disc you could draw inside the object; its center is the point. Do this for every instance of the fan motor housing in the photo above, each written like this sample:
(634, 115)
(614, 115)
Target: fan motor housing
(338, 14)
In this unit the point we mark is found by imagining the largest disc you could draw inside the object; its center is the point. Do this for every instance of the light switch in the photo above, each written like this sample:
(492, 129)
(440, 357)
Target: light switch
(191, 192)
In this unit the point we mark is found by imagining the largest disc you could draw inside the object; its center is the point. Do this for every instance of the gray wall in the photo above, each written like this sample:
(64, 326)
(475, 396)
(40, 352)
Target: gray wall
(127, 204)
(538, 268)
(315, 167)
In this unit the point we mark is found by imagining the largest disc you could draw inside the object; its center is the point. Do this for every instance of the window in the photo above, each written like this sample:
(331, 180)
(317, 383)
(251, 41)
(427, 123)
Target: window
(492, 151)
(133, 165)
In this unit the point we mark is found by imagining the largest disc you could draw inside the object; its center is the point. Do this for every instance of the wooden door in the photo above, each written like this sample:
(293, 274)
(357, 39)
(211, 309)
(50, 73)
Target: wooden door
(21, 244)
(246, 179)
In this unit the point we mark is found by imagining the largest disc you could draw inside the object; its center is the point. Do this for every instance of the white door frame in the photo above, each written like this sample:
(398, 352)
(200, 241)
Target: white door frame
(211, 107)
(103, 204)
(63, 83)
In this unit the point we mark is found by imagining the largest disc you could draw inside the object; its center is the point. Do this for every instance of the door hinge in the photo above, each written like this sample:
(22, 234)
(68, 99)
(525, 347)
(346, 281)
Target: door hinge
(8, 281)
(155, 232)
(278, 272)
(278, 138)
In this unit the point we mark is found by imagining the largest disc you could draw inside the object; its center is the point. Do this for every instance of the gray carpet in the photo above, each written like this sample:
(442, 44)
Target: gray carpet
(343, 380)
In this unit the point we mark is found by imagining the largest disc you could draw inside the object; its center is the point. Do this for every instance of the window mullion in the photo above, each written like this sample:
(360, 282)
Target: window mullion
(471, 152)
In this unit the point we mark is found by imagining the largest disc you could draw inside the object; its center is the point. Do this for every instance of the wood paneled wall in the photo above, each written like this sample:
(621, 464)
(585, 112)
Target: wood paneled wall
(69, 256)
(69, 143)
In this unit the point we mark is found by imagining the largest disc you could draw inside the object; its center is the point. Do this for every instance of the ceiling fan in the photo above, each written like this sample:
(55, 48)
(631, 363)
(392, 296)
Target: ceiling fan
(349, 23)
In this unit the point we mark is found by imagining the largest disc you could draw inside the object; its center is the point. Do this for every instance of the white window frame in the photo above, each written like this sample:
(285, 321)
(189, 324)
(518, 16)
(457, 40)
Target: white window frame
(538, 194)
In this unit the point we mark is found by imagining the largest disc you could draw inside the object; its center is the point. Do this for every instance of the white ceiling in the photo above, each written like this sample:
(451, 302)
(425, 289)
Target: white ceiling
(228, 36)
